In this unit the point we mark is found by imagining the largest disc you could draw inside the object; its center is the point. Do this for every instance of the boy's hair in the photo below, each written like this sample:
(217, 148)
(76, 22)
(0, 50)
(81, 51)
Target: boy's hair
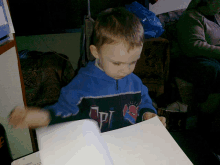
(117, 25)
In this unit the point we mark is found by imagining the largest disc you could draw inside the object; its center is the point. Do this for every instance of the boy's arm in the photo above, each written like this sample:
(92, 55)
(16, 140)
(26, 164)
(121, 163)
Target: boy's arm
(66, 108)
(147, 109)
(37, 118)
(55, 118)
(146, 104)
(28, 117)
(34, 117)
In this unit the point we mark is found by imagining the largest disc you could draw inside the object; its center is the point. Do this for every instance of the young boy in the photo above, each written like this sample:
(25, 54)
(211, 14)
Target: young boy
(105, 90)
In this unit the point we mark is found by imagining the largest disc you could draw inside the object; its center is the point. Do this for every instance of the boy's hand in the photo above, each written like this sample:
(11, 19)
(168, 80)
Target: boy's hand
(23, 117)
(149, 115)
(17, 117)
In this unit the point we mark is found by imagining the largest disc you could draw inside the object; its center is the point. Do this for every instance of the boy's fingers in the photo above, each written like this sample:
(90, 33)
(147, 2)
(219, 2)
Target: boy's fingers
(149, 115)
(163, 120)
(17, 116)
(153, 114)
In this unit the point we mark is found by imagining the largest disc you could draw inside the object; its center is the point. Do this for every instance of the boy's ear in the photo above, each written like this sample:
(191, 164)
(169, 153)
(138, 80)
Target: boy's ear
(94, 51)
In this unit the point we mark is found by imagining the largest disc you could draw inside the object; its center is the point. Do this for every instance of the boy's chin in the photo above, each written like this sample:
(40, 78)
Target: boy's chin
(117, 78)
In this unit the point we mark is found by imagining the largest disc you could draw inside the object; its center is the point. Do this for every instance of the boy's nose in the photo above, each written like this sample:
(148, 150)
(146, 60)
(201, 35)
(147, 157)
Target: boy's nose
(126, 68)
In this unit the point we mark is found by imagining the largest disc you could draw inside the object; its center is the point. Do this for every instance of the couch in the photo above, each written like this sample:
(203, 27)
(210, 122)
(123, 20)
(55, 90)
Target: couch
(183, 90)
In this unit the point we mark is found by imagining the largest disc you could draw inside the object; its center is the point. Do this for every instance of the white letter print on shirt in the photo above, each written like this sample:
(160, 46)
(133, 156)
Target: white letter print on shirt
(100, 117)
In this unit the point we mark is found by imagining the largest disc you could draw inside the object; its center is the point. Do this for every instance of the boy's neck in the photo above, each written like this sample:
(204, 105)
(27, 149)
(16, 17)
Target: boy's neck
(97, 64)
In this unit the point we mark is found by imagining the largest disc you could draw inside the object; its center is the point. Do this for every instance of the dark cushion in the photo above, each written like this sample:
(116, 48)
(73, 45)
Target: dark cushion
(44, 75)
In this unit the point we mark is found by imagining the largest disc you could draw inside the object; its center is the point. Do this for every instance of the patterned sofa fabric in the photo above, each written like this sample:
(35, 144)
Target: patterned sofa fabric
(44, 75)
(153, 66)
(168, 21)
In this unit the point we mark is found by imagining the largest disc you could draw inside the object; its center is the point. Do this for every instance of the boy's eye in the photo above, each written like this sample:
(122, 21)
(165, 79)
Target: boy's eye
(134, 62)
(116, 63)
(120, 63)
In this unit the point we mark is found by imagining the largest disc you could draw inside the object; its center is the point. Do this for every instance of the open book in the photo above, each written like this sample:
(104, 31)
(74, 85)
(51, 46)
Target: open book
(80, 142)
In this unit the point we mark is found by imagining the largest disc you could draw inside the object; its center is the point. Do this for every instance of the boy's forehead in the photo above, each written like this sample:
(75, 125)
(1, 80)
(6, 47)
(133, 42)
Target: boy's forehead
(120, 53)
(122, 49)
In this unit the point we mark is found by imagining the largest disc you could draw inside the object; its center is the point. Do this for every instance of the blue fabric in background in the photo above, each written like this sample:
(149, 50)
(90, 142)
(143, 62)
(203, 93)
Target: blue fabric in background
(23, 54)
(151, 23)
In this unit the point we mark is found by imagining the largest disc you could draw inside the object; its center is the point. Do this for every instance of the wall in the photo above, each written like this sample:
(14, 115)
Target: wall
(11, 96)
(67, 43)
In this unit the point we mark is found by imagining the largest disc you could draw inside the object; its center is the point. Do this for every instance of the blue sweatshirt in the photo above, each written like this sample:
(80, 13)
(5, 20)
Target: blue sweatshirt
(92, 94)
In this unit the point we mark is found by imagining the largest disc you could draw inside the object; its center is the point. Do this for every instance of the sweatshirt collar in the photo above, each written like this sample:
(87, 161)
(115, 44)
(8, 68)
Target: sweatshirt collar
(97, 64)
(93, 69)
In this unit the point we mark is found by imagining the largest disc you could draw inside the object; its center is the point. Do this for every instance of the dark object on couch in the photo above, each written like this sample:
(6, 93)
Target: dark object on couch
(44, 74)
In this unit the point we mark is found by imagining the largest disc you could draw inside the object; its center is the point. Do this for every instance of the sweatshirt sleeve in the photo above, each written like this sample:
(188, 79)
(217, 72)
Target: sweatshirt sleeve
(192, 38)
(146, 104)
(66, 109)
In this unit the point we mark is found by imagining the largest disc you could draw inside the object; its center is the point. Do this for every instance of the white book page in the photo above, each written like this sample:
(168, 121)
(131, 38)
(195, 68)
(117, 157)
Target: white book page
(75, 142)
(32, 159)
(147, 142)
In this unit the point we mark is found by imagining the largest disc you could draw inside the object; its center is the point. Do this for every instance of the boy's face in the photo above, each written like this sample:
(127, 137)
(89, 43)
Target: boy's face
(115, 59)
